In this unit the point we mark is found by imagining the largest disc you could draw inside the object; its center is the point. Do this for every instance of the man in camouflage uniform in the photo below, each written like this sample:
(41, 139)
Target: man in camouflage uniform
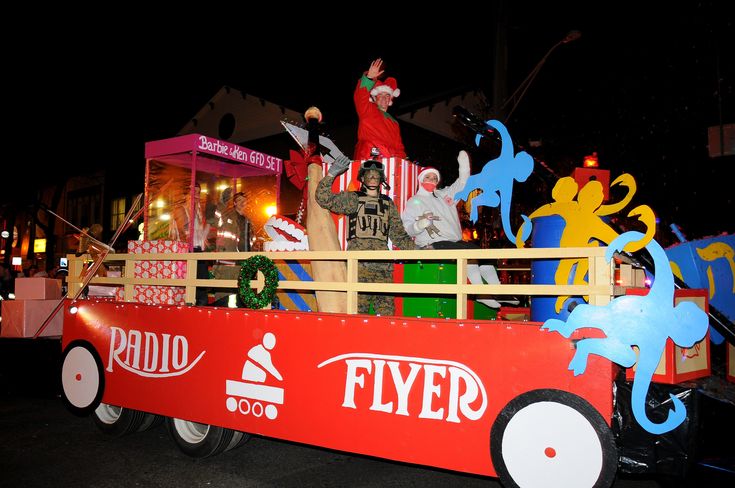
(372, 220)
(233, 235)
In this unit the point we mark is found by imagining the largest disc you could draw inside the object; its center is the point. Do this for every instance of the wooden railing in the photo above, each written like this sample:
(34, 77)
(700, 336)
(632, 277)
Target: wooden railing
(600, 288)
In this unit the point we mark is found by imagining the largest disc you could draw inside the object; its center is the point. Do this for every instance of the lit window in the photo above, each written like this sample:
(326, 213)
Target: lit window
(117, 212)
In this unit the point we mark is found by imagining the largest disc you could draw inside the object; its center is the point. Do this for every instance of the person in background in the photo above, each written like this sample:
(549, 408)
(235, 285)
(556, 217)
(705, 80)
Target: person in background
(6, 281)
(431, 218)
(233, 227)
(377, 128)
(182, 221)
(199, 241)
(372, 220)
(233, 235)
(42, 273)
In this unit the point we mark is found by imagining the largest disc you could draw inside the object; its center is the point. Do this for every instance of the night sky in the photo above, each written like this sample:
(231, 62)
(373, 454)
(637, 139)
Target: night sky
(639, 87)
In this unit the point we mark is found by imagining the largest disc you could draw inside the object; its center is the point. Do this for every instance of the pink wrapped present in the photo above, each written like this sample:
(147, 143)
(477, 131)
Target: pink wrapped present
(154, 295)
(157, 247)
(158, 269)
(37, 289)
(160, 295)
(23, 318)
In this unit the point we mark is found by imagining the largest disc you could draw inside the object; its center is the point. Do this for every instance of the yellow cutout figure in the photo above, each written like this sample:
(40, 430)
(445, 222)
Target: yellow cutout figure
(623, 180)
(563, 205)
(583, 225)
(714, 251)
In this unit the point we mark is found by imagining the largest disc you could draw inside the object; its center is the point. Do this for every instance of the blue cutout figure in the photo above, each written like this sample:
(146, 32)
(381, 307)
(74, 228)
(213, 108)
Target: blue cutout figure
(645, 321)
(496, 181)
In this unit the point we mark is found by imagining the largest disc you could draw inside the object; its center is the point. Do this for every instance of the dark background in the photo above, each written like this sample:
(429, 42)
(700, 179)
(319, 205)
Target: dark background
(640, 87)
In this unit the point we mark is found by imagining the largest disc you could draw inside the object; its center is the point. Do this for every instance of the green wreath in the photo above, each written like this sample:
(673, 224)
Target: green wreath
(248, 271)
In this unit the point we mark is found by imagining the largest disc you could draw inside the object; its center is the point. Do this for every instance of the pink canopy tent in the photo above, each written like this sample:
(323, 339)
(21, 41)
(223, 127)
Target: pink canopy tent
(176, 166)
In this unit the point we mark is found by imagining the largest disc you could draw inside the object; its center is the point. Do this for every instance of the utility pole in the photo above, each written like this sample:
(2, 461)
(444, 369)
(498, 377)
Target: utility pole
(500, 71)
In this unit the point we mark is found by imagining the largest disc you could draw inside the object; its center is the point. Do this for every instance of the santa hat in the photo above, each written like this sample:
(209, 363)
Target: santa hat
(389, 86)
(426, 171)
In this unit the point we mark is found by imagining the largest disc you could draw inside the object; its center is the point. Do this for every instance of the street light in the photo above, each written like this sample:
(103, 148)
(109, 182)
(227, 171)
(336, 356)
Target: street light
(523, 87)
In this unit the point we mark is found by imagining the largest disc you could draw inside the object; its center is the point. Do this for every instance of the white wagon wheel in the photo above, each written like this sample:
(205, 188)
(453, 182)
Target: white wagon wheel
(82, 378)
(548, 438)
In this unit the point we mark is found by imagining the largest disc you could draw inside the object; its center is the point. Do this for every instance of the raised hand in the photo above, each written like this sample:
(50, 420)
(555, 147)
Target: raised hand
(464, 163)
(339, 166)
(376, 69)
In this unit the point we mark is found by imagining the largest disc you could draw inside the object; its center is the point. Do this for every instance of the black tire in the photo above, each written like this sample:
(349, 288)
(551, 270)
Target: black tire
(82, 378)
(117, 421)
(200, 440)
(238, 439)
(150, 421)
(552, 438)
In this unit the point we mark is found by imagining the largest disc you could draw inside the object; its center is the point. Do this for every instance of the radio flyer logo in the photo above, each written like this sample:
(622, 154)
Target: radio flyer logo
(149, 354)
(428, 377)
(252, 396)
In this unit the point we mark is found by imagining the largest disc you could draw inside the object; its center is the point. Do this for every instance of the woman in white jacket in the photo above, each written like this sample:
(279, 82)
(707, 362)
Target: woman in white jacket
(431, 218)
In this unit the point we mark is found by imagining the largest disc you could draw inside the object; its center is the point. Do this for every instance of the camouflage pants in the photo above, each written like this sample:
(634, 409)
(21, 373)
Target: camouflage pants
(375, 272)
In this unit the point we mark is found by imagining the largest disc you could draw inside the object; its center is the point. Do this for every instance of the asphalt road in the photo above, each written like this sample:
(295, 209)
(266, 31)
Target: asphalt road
(42, 445)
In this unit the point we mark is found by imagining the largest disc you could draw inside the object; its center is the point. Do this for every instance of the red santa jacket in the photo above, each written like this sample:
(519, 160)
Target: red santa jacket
(376, 128)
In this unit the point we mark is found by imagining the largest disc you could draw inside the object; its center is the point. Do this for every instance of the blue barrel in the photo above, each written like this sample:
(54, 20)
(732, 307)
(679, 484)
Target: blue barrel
(547, 232)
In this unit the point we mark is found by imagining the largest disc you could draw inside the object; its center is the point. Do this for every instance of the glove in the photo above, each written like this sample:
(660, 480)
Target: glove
(226, 195)
(339, 166)
(464, 163)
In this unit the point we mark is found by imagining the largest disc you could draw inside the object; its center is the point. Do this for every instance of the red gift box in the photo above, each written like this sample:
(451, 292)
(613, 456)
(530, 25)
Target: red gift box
(159, 295)
(158, 269)
(154, 295)
(157, 247)
(23, 318)
(584, 175)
